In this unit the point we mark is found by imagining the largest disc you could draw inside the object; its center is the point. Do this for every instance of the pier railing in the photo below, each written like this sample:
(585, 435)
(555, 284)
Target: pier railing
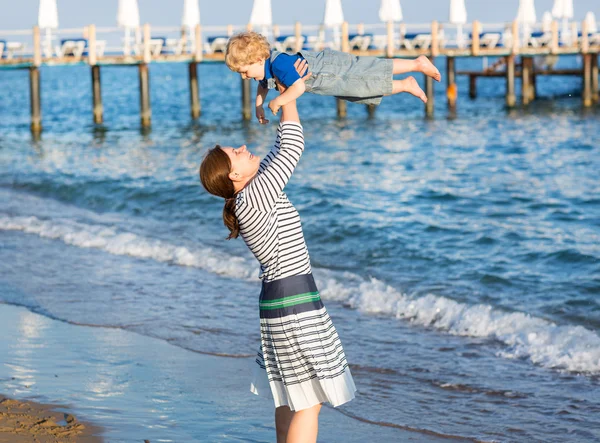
(22, 47)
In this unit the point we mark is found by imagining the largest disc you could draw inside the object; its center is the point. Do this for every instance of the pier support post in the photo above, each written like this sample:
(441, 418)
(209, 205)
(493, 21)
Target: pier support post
(595, 91)
(34, 84)
(98, 109)
(298, 35)
(587, 80)
(246, 106)
(35, 97)
(194, 90)
(342, 108)
(451, 90)
(472, 86)
(533, 82)
(342, 105)
(511, 99)
(525, 80)
(371, 110)
(145, 109)
(429, 93)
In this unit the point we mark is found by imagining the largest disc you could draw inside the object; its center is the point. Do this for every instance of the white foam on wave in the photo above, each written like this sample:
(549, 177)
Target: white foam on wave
(567, 347)
(119, 242)
(571, 348)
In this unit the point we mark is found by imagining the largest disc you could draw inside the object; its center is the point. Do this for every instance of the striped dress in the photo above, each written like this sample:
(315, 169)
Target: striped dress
(300, 361)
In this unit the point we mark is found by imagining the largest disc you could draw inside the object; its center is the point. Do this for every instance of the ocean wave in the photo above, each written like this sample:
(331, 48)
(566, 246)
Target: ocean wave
(119, 242)
(565, 347)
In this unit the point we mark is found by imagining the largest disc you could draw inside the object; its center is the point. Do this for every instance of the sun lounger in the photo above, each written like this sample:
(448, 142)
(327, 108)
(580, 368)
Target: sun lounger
(378, 41)
(314, 43)
(156, 45)
(71, 47)
(359, 42)
(488, 39)
(100, 47)
(540, 39)
(416, 41)
(12, 48)
(176, 46)
(78, 47)
(287, 43)
(216, 44)
(593, 38)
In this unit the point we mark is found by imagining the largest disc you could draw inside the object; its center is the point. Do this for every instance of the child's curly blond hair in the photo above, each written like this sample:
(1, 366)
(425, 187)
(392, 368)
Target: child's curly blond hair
(246, 48)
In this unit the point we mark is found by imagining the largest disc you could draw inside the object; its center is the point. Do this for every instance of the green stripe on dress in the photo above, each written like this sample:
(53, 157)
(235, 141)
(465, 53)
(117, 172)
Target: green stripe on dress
(292, 300)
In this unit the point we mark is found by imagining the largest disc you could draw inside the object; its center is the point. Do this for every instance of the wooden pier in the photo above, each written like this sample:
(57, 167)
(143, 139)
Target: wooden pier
(509, 53)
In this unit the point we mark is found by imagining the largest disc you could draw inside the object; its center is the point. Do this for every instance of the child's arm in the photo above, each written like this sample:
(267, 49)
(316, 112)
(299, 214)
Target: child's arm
(261, 94)
(290, 94)
(295, 90)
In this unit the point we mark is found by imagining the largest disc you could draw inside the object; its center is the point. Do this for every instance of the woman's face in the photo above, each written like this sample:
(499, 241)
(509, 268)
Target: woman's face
(244, 164)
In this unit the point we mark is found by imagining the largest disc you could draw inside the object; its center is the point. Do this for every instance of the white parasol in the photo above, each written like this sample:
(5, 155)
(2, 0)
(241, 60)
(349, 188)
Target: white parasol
(458, 17)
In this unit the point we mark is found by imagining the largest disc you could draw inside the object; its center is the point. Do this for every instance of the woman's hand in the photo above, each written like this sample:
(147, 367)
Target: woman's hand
(301, 66)
(274, 105)
(297, 89)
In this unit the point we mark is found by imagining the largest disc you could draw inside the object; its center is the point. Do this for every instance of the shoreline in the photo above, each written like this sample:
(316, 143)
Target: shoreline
(26, 420)
(136, 388)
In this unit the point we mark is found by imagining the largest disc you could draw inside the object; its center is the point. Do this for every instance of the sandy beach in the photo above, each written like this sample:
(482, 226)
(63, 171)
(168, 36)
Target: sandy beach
(26, 421)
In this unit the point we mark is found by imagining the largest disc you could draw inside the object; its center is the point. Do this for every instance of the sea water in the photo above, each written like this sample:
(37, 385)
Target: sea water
(459, 257)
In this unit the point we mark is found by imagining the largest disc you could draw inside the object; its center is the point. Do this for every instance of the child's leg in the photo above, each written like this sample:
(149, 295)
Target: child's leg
(420, 64)
(410, 85)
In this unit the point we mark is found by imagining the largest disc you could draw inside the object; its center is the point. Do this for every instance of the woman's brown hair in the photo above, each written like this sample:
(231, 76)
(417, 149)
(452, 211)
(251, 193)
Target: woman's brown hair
(214, 175)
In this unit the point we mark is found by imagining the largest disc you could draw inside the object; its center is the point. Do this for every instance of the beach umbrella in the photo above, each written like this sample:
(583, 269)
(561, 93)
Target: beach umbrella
(191, 17)
(48, 20)
(563, 9)
(458, 17)
(390, 11)
(48, 14)
(333, 18)
(128, 17)
(191, 14)
(547, 22)
(261, 15)
(526, 17)
(590, 19)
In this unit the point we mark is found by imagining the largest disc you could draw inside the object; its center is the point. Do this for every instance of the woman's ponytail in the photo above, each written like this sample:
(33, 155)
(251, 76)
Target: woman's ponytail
(214, 175)
(230, 219)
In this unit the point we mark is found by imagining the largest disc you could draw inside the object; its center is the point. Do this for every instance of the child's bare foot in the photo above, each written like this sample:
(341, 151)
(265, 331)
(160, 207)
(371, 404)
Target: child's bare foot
(410, 85)
(426, 67)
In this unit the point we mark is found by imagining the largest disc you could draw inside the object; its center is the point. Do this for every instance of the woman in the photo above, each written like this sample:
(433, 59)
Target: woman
(300, 362)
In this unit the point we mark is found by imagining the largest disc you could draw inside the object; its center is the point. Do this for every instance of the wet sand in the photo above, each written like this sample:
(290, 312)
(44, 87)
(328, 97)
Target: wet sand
(139, 388)
(24, 421)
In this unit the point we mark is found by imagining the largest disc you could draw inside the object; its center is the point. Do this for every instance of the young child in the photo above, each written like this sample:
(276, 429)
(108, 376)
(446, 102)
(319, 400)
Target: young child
(357, 79)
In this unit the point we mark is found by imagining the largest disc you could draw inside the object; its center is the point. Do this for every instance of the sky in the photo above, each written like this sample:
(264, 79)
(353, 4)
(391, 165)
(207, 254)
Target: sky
(22, 14)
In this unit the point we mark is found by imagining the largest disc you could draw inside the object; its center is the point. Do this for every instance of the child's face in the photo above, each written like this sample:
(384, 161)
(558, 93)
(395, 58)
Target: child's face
(254, 70)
